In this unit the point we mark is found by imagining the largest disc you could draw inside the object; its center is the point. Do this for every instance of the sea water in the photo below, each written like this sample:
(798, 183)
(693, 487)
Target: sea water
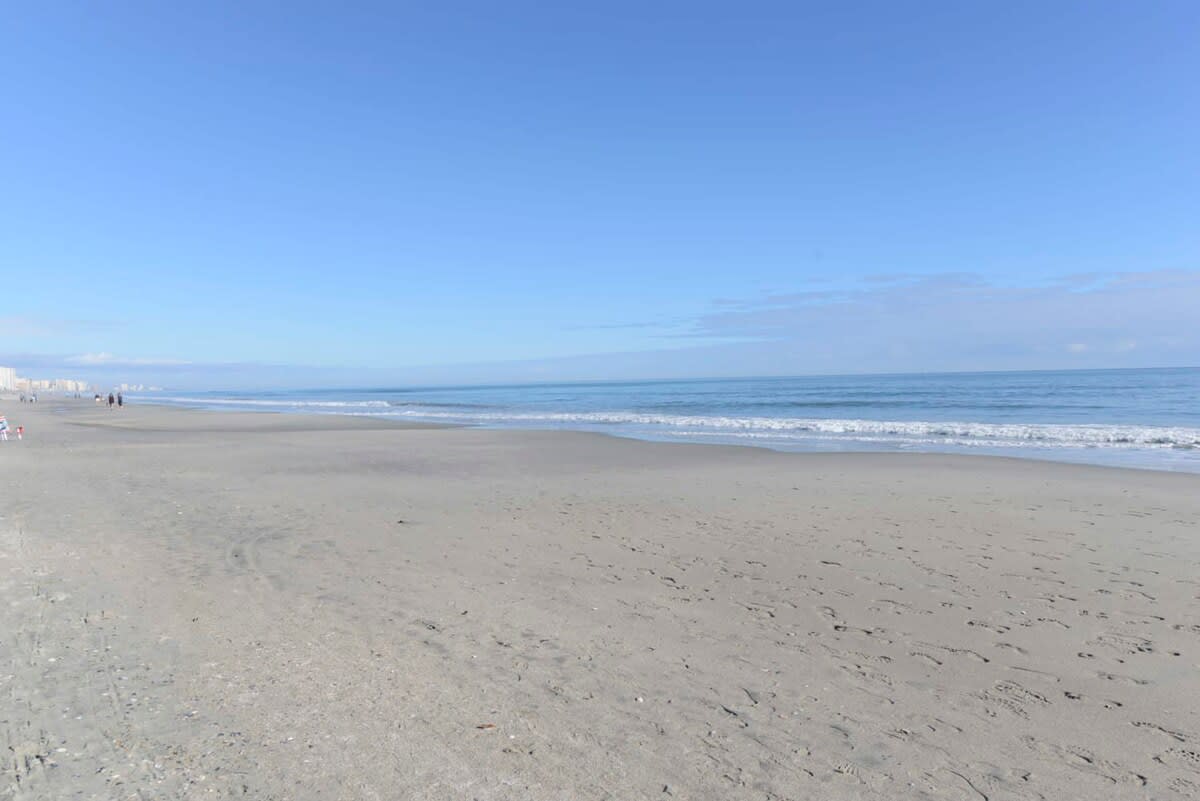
(1135, 418)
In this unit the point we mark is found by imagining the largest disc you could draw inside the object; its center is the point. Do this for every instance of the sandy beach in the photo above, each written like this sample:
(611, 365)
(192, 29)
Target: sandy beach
(210, 605)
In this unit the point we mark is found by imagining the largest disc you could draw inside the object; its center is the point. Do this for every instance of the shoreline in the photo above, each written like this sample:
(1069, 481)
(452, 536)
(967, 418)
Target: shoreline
(234, 605)
(1029, 453)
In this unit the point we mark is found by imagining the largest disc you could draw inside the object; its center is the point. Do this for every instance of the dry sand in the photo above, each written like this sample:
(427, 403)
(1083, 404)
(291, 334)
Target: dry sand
(201, 605)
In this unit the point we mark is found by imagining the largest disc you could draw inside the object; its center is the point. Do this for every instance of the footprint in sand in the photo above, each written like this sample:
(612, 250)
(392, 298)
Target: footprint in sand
(1174, 735)
(1123, 679)
(1180, 758)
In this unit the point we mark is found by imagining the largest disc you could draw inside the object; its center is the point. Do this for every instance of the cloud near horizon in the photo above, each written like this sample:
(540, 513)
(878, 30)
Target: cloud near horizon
(20, 325)
(946, 317)
(883, 323)
(109, 360)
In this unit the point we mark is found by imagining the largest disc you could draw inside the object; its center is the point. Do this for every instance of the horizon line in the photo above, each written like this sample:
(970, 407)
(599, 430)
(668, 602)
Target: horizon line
(712, 379)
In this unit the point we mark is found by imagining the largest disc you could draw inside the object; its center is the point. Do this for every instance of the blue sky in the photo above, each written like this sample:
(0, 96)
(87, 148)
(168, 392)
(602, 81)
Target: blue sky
(234, 193)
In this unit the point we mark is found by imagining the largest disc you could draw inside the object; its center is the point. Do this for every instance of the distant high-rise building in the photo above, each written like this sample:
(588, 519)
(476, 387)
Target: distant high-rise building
(10, 382)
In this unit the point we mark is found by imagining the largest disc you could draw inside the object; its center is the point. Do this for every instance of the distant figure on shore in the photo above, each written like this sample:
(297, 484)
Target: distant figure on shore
(120, 400)
(111, 400)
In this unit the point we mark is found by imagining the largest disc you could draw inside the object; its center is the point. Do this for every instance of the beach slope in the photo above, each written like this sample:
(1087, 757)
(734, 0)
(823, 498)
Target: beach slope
(207, 605)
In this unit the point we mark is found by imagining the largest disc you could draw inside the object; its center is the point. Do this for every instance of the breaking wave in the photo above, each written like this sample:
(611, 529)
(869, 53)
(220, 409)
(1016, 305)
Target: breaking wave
(923, 432)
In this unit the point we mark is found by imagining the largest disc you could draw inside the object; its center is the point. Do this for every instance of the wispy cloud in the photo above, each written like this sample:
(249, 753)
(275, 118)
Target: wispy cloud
(620, 326)
(89, 363)
(30, 327)
(921, 321)
(1160, 279)
(957, 320)
(109, 360)
(889, 323)
(24, 326)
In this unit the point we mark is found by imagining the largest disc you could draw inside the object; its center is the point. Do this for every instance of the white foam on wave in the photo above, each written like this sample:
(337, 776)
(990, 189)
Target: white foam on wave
(915, 432)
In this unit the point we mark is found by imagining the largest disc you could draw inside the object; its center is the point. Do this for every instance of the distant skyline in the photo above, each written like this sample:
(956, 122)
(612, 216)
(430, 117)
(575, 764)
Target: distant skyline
(227, 195)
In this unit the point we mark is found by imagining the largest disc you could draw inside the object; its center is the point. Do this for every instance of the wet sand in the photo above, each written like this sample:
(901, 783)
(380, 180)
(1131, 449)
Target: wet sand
(205, 605)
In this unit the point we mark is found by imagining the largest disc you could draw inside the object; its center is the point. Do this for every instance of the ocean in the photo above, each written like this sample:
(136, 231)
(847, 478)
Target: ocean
(1146, 418)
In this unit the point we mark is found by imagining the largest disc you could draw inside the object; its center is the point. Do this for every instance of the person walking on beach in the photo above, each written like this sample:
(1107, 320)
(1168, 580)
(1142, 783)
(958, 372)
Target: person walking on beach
(120, 400)
(111, 400)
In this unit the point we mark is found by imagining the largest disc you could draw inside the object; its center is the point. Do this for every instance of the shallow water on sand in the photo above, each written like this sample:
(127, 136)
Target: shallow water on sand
(1135, 418)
